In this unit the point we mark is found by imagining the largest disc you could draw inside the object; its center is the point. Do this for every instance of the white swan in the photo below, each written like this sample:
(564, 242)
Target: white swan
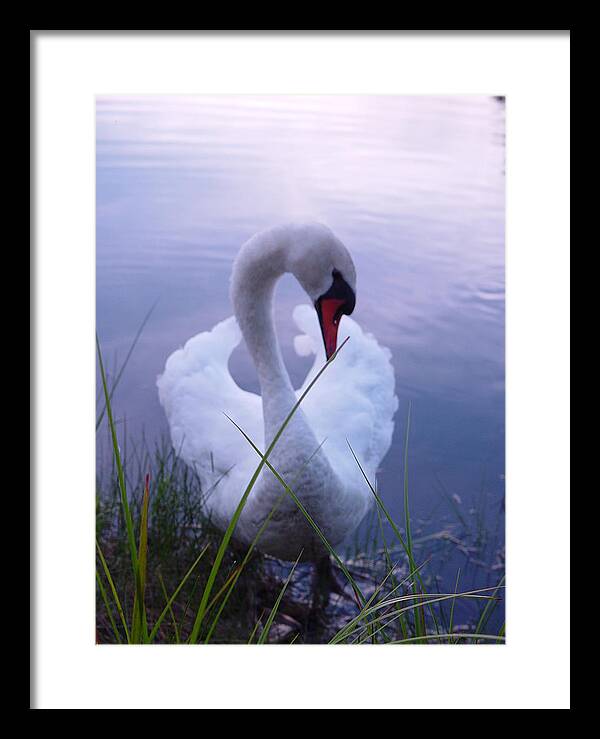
(353, 400)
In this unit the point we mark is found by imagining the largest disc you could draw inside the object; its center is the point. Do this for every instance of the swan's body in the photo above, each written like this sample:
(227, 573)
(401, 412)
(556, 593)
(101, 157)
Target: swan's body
(352, 401)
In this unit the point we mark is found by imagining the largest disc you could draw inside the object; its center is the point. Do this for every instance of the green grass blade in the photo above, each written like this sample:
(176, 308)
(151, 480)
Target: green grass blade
(262, 639)
(113, 590)
(389, 565)
(502, 632)
(414, 605)
(240, 507)
(370, 625)
(251, 548)
(406, 506)
(140, 625)
(120, 476)
(166, 597)
(381, 505)
(407, 550)
(108, 608)
(241, 567)
(419, 614)
(451, 625)
(367, 608)
(419, 601)
(171, 600)
(487, 611)
(255, 629)
(306, 514)
(124, 365)
(231, 578)
(416, 639)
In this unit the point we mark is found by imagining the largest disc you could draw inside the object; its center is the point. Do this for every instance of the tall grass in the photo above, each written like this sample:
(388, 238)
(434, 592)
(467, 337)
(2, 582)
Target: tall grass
(207, 601)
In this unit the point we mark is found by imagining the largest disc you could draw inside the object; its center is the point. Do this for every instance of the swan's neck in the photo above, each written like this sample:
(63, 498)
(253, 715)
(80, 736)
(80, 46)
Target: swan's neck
(260, 263)
(258, 266)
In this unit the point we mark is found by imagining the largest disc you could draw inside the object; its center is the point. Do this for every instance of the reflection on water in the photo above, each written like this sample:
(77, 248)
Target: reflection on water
(414, 186)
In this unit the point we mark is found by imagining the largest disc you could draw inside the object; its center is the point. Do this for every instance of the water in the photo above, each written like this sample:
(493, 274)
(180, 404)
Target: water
(414, 186)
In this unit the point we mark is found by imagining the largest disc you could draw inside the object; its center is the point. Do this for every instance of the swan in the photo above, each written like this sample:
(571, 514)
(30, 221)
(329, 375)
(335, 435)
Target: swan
(352, 402)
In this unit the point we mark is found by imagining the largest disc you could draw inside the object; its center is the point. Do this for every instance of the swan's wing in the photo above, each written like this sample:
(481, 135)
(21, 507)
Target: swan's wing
(354, 399)
(197, 390)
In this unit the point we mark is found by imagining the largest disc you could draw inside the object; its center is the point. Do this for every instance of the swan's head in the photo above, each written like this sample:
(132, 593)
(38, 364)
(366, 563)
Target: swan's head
(324, 268)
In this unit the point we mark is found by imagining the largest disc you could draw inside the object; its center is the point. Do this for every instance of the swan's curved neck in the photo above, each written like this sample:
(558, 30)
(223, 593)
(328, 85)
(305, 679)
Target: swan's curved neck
(260, 263)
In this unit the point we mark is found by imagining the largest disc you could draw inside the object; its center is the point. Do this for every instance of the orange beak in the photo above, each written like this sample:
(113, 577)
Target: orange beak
(330, 312)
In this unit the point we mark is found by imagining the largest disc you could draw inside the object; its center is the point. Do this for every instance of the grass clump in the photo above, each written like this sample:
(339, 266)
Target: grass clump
(181, 542)
(166, 575)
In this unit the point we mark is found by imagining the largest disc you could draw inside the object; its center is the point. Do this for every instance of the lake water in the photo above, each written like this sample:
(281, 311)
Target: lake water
(414, 186)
